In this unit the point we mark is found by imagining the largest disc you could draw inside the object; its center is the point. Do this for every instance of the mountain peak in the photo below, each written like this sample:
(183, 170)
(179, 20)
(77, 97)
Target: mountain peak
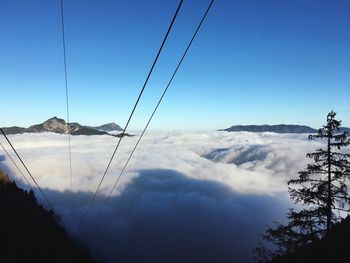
(55, 118)
(58, 125)
(53, 124)
(112, 126)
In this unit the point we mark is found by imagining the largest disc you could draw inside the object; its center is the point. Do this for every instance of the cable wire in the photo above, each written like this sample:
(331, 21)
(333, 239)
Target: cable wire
(67, 101)
(155, 109)
(30, 174)
(134, 108)
(19, 170)
(15, 164)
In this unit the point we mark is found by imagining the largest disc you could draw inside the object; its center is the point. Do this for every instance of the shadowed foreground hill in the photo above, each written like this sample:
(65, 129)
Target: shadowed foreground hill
(332, 248)
(29, 233)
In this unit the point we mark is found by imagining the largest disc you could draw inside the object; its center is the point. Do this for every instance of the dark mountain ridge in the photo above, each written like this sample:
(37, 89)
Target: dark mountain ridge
(280, 128)
(107, 127)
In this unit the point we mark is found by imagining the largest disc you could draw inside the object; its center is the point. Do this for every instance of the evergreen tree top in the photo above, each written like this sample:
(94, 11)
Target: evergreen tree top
(330, 131)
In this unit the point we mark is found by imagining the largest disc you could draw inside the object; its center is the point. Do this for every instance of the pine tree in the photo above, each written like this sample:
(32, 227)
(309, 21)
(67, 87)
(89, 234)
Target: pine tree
(321, 189)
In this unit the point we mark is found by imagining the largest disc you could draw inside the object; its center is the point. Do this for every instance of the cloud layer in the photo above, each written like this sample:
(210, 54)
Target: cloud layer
(186, 196)
(247, 162)
(165, 216)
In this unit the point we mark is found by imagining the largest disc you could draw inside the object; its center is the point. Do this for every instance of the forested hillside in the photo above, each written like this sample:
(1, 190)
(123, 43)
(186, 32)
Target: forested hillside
(332, 248)
(29, 233)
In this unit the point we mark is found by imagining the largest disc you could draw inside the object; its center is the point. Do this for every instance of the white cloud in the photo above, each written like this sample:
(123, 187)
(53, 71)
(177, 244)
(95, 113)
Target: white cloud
(247, 162)
(185, 177)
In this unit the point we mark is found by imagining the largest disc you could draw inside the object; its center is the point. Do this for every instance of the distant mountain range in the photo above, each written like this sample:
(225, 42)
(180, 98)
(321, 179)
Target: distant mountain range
(60, 126)
(108, 127)
(280, 128)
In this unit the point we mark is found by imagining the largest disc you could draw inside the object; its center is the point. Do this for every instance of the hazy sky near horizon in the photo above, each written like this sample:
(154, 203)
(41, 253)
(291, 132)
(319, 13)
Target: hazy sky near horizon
(253, 62)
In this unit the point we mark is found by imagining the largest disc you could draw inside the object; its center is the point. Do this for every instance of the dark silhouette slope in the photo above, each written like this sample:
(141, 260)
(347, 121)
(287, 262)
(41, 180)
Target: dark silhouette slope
(332, 248)
(29, 233)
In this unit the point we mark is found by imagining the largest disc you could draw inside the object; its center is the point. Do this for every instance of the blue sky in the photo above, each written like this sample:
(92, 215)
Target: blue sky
(253, 62)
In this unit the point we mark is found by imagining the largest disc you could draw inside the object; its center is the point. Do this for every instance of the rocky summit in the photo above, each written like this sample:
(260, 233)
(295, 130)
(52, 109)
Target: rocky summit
(51, 125)
(60, 126)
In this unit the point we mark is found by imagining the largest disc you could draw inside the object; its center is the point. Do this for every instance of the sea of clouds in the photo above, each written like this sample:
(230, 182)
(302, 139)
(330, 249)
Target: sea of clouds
(185, 197)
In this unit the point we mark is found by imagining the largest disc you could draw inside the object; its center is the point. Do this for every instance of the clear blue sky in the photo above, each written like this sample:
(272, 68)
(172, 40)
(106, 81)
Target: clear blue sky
(253, 62)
